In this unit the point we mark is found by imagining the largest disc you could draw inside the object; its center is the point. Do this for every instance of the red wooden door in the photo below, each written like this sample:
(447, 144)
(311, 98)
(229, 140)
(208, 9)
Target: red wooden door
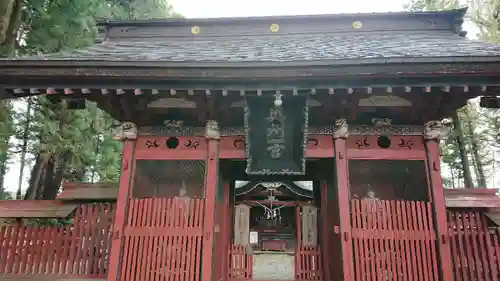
(162, 240)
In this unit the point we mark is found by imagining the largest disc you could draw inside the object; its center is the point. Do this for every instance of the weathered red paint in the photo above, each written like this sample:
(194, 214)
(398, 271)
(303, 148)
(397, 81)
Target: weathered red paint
(308, 266)
(318, 146)
(475, 248)
(78, 250)
(155, 148)
(437, 194)
(393, 240)
(343, 207)
(153, 235)
(121, 206)
(162, 239)
(325, 237)
(240, 263)
(211, 178)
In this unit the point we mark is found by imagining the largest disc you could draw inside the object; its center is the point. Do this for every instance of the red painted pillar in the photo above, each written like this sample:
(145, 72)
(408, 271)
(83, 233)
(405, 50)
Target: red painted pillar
(340, 135)
(121, 208)
(437, 195)
(325, 241)
(211, 177)
(226, 232)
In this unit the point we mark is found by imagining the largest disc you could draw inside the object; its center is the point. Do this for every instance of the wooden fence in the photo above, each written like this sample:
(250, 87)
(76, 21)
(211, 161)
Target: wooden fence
(393, 240)
(77, 249)
(475, 247)
(240, 263)
(308, 264)
(163, 239)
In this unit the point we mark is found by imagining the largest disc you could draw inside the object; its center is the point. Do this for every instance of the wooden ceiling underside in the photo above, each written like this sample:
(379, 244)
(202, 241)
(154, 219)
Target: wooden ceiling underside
(195, 107)
(151, 107)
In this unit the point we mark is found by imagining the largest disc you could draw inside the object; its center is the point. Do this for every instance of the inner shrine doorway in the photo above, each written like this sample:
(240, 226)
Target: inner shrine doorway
(274, 223)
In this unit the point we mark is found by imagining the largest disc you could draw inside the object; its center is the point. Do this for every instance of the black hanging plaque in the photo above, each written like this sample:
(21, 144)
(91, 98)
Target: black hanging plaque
(276, 136)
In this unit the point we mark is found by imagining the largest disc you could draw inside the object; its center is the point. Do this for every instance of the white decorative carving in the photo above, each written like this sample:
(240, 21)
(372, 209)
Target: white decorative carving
(177, 124)
(446, 128)
(212, 130)
(436, 130)
(340, 129)
(381, 122)
(125, 131)
(384, 101)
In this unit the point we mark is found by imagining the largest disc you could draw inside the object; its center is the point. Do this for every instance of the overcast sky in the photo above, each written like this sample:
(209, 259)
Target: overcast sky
(246, 8)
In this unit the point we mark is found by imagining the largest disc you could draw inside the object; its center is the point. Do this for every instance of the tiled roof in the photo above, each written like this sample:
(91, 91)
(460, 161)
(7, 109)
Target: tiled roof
(282, 48)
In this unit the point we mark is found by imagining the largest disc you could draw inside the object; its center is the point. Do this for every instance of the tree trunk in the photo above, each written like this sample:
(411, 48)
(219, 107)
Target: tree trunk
(35, 188)
(24, 147)
(463, 152)
(10, 21)
(481, 179)
(6, 8)
(3, 170)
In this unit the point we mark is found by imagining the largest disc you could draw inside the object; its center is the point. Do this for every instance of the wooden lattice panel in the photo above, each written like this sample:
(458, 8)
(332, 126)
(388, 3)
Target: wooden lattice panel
(393, 240)
(475, 248)
(78, 249)
(163, 239)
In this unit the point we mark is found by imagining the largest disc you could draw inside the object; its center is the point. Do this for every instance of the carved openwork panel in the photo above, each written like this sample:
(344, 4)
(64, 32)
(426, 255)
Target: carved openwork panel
(386, 142)
(171, 143)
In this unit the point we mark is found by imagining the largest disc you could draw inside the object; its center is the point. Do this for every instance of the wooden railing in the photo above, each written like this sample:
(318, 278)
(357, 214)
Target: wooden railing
(393, 240)
(308, 263)
(475, 247)
(240, 263)
(79, 248)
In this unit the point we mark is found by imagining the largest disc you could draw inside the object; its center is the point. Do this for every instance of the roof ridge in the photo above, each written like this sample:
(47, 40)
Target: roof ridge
(455, 14)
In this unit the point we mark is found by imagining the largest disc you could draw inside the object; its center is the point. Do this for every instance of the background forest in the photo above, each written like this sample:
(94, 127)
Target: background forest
(51, 144)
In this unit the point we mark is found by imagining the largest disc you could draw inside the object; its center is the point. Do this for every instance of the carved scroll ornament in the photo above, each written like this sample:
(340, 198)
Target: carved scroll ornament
(340, 129)
(212, 130)
(437, 130)
(125, 131)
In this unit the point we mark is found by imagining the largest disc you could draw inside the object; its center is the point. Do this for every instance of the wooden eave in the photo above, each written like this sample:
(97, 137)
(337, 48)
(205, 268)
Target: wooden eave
(472, 198)
(35, 209)
(88, 192)
(215, 75)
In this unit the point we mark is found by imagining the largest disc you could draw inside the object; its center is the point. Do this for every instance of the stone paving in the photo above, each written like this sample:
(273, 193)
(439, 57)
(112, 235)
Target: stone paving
(273, 266)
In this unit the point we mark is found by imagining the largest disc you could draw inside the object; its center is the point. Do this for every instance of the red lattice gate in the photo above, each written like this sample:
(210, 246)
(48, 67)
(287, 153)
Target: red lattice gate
(475, 247)
(162, 240)
(393, 240)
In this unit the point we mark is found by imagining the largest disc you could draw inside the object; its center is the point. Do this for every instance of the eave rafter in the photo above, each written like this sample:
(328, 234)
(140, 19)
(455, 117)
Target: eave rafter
(435, 101)
(473, 89)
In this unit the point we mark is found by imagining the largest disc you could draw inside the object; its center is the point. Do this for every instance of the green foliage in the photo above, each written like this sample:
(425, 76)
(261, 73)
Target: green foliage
(79, 141)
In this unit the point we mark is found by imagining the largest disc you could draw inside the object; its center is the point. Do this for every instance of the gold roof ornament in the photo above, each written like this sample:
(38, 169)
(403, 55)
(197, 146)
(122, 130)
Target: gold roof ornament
(195, 30)
(274, 27)
(357, 25)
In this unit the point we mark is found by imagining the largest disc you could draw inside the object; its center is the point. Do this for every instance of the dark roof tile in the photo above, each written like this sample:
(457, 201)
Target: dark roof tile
(340, 46)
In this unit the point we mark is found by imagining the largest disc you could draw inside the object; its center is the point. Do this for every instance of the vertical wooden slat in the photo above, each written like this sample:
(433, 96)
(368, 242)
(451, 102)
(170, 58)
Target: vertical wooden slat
(391, 240)
(474, 248)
